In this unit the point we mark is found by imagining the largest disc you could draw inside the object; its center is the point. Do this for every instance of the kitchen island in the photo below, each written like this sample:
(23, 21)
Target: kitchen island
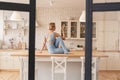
(43, 65)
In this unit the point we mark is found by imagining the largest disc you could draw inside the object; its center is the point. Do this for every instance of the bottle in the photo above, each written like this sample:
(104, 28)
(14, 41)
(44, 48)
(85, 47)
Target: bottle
(23, 45)
(19, 45)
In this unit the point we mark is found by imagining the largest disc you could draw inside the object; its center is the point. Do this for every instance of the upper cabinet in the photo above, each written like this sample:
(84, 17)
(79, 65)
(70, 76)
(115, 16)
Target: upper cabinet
(73, 26)
(64, 29)
(73, 29)
(82, 30)
(69, 29)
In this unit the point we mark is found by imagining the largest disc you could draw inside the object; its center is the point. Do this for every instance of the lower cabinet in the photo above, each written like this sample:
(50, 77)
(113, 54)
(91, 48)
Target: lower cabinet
(111, 62)
(8, 62)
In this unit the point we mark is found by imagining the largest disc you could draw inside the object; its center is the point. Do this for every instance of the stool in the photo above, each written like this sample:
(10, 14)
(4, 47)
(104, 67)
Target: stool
(59, 66)
(94, 68)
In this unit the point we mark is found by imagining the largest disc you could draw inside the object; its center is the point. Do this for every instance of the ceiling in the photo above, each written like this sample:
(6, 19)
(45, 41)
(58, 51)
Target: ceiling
(57, 3)
(61, 3)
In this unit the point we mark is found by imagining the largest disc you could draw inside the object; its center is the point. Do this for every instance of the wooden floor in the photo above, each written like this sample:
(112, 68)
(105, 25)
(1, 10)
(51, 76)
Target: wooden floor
(103, 75)
(109, 75)
(9, 75)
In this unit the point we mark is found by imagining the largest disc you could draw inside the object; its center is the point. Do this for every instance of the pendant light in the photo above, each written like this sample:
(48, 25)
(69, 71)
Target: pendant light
(16, 16)
(83, 16)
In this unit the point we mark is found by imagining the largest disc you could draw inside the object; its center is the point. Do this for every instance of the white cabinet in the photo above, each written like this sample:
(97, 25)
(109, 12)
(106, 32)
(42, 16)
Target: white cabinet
(73, 29)
(82, 29)
(111, 62)
(111, 41)
(107, 35)
(103, 64)
(8, 62)
(69, 29)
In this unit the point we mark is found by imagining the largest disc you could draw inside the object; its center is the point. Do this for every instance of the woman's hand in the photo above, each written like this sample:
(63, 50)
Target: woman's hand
(43, 46)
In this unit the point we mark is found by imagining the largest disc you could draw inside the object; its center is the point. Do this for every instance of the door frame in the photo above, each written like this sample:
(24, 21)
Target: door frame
(31, 8)
(90, 8)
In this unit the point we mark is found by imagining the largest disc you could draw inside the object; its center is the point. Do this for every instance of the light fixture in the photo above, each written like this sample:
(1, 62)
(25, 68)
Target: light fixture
(83, 16)
(16, 16)
(51, 2)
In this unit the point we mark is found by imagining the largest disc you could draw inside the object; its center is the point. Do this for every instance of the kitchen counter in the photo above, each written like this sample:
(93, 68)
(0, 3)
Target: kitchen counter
(74, 53)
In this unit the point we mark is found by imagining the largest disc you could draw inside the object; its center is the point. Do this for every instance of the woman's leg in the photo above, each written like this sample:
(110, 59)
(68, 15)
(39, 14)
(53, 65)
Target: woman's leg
(56, 43)
(60, 42)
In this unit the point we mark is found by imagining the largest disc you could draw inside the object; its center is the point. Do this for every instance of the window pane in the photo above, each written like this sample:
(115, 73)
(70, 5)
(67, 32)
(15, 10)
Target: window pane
(13, 41)
(107, 44)
(67, 21)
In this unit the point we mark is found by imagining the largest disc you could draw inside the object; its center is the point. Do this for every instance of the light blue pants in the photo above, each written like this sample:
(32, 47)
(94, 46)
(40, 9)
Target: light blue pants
(54, 49)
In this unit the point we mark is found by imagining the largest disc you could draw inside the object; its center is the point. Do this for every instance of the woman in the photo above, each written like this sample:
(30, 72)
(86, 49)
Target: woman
(54, 42)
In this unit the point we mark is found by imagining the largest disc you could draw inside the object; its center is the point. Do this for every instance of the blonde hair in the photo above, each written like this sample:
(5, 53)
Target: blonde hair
(52, 26)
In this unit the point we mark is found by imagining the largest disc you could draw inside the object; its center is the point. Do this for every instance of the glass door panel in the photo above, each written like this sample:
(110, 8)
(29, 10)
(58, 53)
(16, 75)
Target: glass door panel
(73, 29)
(14, 39)
(64, 29)
(107, 43)
(82, 30)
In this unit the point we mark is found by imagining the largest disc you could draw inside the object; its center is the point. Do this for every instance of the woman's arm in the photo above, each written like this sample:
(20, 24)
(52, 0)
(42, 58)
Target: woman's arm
(43, 45)
(58, 35)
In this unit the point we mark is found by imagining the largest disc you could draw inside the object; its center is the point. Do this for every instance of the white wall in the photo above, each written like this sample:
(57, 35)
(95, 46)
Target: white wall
(1, 27)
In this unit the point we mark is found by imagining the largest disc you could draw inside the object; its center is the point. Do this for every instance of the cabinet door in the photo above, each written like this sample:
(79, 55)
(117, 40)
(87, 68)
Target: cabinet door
(111, 41)
(16, 62)
(2, 62)
(64, 29)
(100, 35)
(73, 32)
(113, 61)
(103, 64)
(111, 35)
(82, 30)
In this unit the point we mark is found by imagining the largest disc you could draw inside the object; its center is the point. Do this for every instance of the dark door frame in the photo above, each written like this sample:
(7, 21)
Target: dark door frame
(90, 8)
(31, 8)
